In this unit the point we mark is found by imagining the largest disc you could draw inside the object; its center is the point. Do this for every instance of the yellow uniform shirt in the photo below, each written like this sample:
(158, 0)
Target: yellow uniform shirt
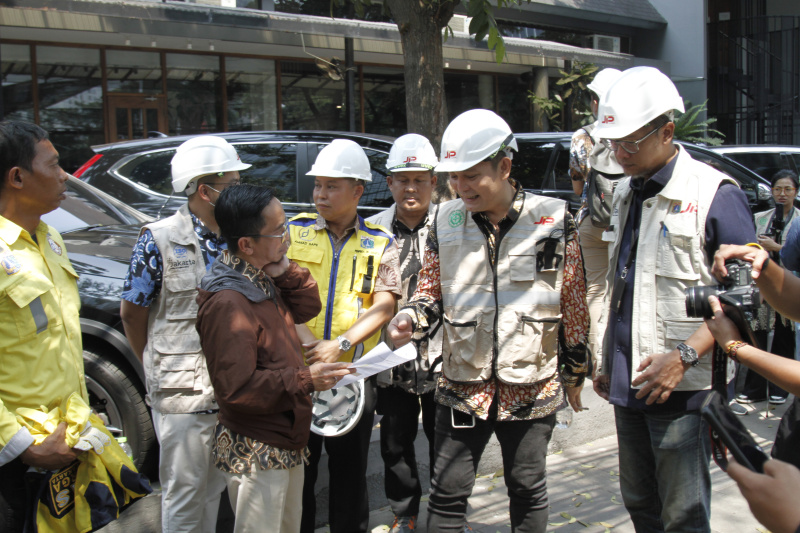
(41, 355)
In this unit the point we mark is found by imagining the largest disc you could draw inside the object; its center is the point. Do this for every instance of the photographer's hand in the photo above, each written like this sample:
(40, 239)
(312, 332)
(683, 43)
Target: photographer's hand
(721, 327)
(751, 254)
(772, 496)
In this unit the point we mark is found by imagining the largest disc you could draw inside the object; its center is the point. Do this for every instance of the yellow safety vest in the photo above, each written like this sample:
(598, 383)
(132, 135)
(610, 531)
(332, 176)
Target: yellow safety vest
(351, 270)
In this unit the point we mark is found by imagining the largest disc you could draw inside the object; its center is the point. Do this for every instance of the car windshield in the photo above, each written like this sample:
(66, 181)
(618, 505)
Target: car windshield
(85, 207)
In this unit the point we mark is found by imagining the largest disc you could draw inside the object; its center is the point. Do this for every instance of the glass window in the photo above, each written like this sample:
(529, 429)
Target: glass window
(274, 166)
(530, 164)
(70, 101)
(193, 94)
(377, 193)
(311, 99)
(17, 84)
(513, 103)
(252, 87)
(468, 91)
(151, 170)
(384, 101)
(763, 164)
(133, 72)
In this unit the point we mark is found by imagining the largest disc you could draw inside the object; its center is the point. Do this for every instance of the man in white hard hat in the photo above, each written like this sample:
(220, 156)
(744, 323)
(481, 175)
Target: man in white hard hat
(356, 267)
(407, 389)
(594, 171)
(503, 270)
(669, 216)
(159, 314)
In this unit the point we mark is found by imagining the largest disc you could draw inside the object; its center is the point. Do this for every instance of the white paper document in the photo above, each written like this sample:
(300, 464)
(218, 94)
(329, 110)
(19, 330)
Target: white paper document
(378, 359)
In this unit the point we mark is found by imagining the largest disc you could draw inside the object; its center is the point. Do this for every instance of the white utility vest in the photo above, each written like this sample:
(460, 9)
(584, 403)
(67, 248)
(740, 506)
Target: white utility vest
(502, 323)
(670, 257)
(175, 369)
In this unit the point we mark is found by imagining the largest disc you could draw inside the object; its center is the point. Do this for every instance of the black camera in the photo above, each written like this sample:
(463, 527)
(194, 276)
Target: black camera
(738, 295)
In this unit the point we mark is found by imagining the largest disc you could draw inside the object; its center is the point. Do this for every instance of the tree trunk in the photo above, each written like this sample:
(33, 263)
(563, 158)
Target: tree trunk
(420, 24)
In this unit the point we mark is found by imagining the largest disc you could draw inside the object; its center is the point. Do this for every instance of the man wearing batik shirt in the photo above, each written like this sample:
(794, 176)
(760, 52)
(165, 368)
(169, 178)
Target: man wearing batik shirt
(159, 314)
(502, 268)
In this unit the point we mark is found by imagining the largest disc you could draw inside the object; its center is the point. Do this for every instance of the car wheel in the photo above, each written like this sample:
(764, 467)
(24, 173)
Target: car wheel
(121, 406)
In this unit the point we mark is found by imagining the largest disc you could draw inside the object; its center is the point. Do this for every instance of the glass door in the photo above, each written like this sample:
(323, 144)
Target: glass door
(136, 116)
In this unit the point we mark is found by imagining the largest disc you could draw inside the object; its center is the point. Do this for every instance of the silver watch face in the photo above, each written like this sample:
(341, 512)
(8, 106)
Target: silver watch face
(688, 354)
(344, 344)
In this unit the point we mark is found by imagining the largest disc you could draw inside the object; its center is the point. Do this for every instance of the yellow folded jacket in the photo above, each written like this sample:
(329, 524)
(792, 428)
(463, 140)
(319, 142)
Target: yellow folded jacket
(90, 492)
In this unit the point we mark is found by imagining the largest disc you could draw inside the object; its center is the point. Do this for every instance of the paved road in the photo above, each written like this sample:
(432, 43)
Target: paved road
(582, 479)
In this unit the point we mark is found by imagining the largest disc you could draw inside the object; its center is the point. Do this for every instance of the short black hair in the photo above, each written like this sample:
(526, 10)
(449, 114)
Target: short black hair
(785, 173)
(238, 212)
(18, 146)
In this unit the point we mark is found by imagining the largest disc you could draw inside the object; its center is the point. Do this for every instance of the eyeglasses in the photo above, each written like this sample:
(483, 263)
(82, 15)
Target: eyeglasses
(281, 236)
(784, 190)
(631, 147)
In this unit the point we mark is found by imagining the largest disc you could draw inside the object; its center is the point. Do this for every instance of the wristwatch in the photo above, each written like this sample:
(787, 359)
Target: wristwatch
(688, 354)
(345, 345)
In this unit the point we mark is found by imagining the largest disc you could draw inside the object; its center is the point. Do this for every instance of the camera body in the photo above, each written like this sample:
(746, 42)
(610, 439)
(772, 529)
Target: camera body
(739, 296)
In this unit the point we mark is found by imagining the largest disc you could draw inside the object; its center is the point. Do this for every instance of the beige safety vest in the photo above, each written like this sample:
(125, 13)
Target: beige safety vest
(174, 365)
(502, 323)
(670, 257)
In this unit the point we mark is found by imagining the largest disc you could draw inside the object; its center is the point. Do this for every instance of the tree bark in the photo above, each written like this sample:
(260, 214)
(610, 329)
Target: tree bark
(420, 23)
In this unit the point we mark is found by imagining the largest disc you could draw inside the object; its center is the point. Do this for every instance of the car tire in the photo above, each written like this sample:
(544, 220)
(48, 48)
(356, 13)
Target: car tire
(119, 402)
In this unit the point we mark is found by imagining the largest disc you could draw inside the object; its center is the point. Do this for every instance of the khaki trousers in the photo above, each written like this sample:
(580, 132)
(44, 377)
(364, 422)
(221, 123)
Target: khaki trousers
(595, 262)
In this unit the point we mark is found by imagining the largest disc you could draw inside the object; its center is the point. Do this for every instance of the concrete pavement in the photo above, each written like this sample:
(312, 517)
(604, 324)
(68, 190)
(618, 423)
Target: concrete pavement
(583, 483)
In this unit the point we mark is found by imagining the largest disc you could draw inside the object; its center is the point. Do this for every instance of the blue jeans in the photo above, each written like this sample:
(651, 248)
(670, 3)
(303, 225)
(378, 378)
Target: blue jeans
(457, 453)
(664, 476)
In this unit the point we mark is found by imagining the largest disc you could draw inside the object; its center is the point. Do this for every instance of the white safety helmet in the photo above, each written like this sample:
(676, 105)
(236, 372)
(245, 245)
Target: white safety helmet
(410, 153)
(474, 136)
(342, 158)
(603, 80)
(335, 412)
(201, 156)
(639, 95)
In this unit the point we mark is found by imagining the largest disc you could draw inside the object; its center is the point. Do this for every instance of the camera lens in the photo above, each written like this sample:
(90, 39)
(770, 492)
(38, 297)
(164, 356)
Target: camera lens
(697, 305)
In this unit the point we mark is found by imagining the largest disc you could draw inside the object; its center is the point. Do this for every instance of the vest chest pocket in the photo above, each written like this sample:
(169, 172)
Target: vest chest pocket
(180, 362)
(537, 337)
(677, 250)
(363, 273)
(464, 262)
(305, 254)
(180, 295)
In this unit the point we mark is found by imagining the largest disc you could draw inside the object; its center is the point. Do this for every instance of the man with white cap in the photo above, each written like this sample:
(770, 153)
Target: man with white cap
(594, 171)
(668, 218)
(503, 271)
(407, 389)
(159, 313)
(356, 267)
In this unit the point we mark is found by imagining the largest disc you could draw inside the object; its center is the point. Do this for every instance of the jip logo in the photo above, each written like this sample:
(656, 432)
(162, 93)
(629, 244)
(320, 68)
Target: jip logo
(451, 153)
(608, 119)
(546, 220)
(410, 159)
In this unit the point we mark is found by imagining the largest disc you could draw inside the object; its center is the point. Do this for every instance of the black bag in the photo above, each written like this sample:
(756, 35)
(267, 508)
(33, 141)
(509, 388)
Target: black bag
(603, 178)
(787, 440)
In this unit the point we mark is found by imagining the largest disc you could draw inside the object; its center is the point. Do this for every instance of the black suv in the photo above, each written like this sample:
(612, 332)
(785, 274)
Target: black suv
(138, 172)
(542, 165)
(99, 233)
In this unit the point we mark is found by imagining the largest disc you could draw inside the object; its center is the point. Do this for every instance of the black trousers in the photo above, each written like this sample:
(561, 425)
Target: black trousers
(13, 496)
(399, 426)
(348, 504)
(523, 444)
(756, 386)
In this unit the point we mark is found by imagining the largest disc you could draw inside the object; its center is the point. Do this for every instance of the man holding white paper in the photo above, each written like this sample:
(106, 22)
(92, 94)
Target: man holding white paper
(503, 270)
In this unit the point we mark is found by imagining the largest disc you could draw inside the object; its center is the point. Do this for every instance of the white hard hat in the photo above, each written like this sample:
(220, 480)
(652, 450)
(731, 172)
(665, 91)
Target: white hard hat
(411, 152)
(342, 158)
(603, 80)
(335, 412)
(474, 136)
(201, 156)
(638, 96)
